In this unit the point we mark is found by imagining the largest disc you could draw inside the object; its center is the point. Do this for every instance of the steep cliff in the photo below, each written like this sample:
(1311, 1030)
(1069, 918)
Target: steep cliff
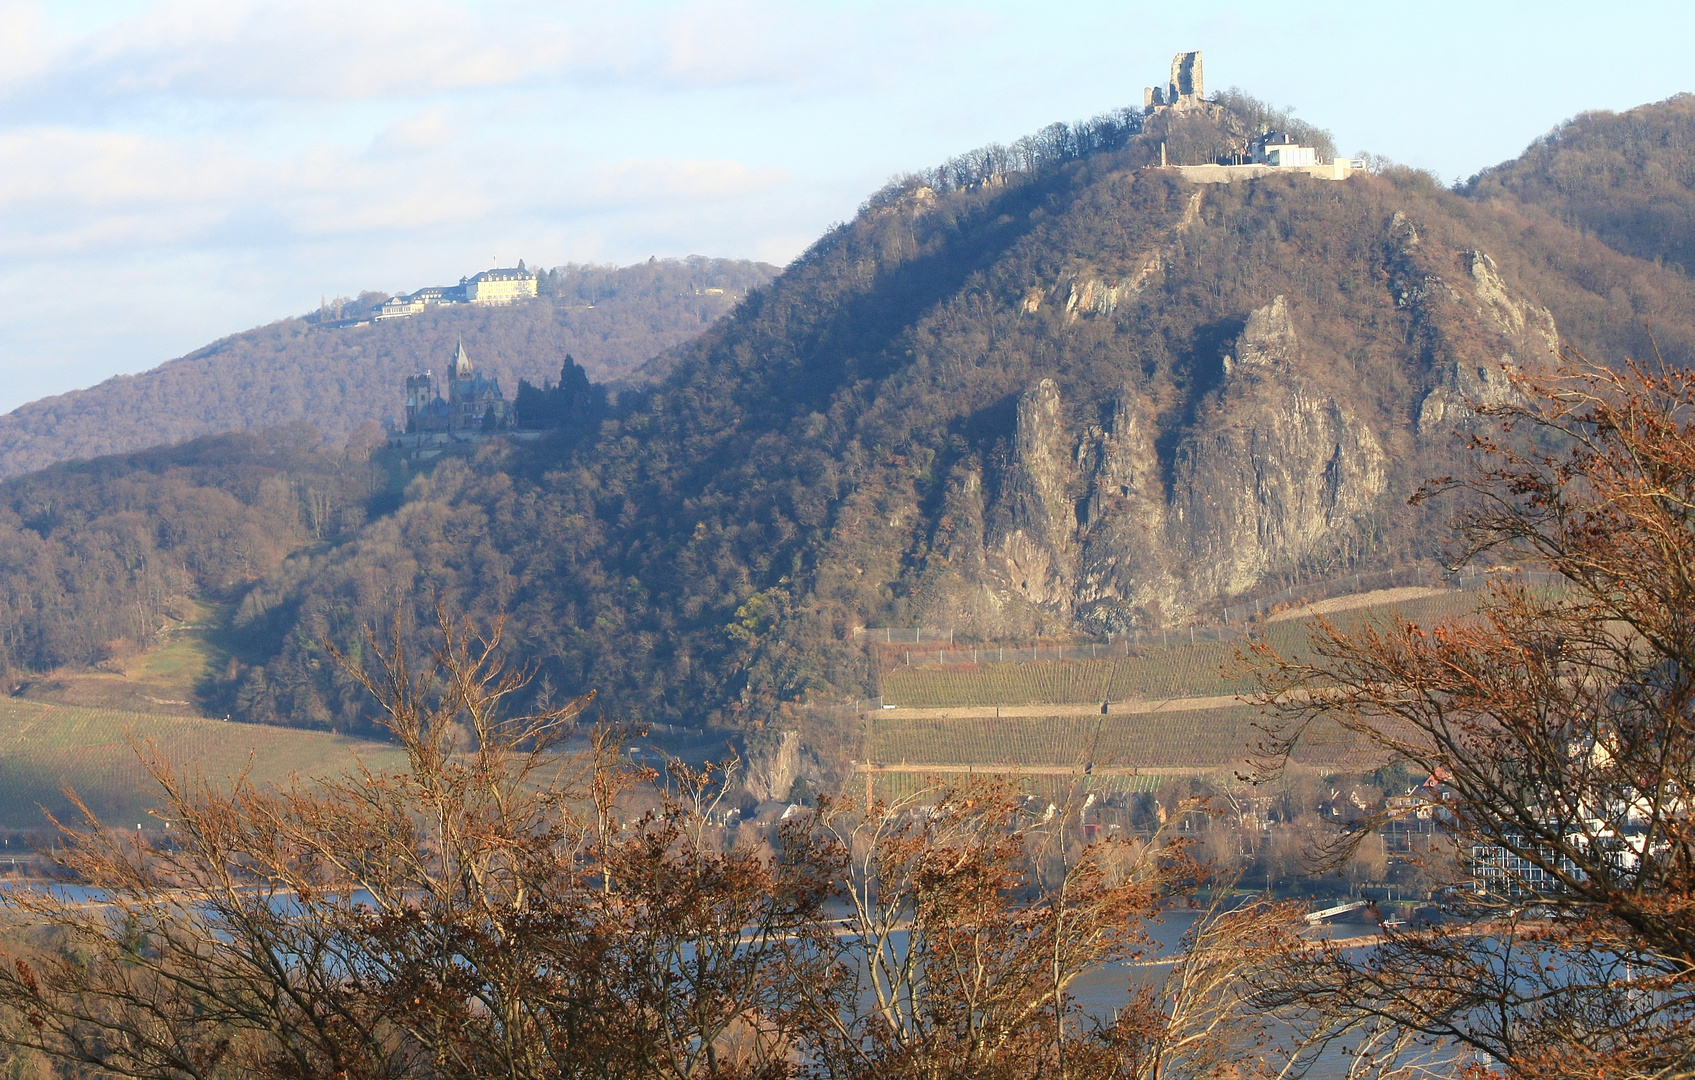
(1273, 471)
(1279, 466)
(1032, 530)
(1465, 384)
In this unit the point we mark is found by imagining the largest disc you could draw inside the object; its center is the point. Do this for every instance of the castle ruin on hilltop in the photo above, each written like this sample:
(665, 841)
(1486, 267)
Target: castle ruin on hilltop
(1184, 91)
(1182, 103)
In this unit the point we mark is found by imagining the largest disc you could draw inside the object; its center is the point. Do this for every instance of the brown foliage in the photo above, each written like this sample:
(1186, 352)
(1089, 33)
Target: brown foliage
(501, 907)
(1557, 723)
(973, 914)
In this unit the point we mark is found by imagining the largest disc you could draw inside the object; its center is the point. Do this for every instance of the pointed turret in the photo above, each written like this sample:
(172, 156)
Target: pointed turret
(461, 368)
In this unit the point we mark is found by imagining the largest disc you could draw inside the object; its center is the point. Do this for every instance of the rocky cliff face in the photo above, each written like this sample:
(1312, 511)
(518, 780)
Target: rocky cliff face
(1083, 525)
(1032, 532)
(1529, 333)
(773, 769)
(1126, 574)
(1275, 468)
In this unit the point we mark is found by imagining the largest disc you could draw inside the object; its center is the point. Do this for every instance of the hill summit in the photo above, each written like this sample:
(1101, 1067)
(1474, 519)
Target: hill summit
(1051, 389)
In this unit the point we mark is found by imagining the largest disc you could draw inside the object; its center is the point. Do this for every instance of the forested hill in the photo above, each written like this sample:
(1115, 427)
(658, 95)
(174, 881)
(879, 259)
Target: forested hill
(1046, 389)
(1627, 177)
(613, 320)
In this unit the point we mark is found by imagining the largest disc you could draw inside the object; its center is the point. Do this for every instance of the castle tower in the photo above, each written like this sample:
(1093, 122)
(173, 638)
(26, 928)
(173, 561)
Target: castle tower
(1185, 90)
(461, 368)
(1186, 85)
(418, 394)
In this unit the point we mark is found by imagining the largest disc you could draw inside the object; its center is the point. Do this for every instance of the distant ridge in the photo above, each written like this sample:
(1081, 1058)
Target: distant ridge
(1628, 178)
(613, 320)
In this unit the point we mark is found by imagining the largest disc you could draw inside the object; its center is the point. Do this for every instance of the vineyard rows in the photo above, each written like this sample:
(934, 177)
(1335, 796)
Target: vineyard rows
(1197, 739)
(902, 785)
(1182, 670)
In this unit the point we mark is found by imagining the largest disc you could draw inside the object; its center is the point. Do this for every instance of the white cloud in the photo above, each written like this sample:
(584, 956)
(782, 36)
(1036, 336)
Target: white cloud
(59, 166)
(305, 50)
(316, 49)
(25, 52)
(427, 130)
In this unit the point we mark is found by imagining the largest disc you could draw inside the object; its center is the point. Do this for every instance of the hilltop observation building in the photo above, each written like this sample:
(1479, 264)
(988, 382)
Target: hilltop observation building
(498, 286)
(473, 410)
(1268, 153)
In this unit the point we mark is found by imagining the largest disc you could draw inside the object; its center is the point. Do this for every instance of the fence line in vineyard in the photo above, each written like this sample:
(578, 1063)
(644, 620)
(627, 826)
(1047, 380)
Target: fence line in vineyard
(1234, 627)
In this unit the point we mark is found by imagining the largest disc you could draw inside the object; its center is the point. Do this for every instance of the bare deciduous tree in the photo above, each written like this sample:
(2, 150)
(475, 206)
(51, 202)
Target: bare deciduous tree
(1560, 726)
(499, 908)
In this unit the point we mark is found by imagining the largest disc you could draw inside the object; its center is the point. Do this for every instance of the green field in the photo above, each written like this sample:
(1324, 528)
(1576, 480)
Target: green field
(1178, 670)
(45, 746)
(166, 679)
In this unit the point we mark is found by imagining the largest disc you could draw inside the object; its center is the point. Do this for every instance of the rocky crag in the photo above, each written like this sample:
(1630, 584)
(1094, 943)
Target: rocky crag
(1088, 524)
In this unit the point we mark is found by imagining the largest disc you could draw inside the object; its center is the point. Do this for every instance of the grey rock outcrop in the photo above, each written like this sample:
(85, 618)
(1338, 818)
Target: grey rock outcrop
(1463, 388)
(1528, 327)
(1530, 337)
(1032, 533)
(1114, 524)
(773, 770)
(1124, 576)
(1091, 296)
(1272, 471)
(1086, 529)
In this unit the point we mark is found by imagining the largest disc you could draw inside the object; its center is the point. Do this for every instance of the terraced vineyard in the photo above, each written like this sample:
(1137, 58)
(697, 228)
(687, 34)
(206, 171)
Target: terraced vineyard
(1179, 670)
(899, 785)
(1190, 739)
(44, 747)
(1131, 748)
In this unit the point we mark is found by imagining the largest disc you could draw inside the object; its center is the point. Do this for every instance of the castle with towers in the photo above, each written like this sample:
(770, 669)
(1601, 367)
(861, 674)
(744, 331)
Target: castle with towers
(473, 409)
(473, 403)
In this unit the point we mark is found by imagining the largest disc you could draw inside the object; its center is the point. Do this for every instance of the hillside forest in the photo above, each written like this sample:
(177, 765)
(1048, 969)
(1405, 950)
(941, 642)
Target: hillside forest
(611, 319)
(1040, 391)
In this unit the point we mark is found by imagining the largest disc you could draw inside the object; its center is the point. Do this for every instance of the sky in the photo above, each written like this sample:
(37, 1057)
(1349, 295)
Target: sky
(175, 171)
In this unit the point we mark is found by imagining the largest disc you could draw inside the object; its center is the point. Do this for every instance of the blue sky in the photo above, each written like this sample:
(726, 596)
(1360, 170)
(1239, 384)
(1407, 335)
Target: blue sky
(171, 172)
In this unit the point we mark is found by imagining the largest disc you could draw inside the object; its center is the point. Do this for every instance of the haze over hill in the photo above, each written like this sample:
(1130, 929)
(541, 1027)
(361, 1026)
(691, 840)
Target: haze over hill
(1047, 389)
(611, 319)
(1628, 178)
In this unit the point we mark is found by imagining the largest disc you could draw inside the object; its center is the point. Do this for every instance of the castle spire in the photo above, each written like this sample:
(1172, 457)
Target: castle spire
(461, 362)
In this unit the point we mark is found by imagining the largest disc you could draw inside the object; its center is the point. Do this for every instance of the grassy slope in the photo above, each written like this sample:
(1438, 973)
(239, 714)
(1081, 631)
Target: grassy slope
(95, 751)
(161, 680)
(84, 729)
